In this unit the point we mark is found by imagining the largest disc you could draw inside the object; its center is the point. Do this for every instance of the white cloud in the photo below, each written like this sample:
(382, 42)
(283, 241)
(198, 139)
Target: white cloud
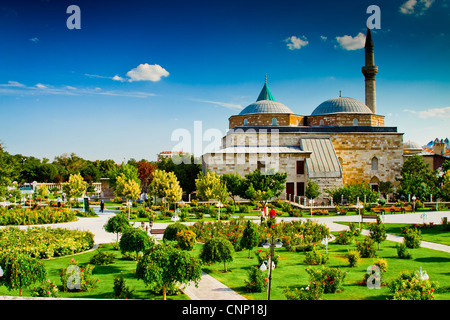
(41, 86)
(35, 40)
(294, 43)
(222, 104)
(117, 78)
(12, 84)
(147, 72)
(70, 88)
(431, 113)
(323, 38)
(417, 7)
(352, 43)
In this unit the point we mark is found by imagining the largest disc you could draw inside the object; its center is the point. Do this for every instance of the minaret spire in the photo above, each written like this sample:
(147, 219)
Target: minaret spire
(369, 71)
(265, 79)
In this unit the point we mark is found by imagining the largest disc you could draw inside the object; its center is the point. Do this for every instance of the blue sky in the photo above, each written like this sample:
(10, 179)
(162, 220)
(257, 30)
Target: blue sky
(137, 71)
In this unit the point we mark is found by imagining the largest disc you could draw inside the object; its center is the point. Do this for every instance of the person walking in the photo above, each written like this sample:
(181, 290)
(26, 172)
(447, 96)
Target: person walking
(262, 216)
(102, 206)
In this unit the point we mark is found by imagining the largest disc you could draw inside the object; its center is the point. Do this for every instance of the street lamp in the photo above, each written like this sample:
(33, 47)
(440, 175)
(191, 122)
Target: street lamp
(414, 203)
(263, 267)
(311, 202)
(359, 206)
(219, 205)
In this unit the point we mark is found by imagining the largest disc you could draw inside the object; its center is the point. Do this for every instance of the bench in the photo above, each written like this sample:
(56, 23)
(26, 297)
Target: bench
(378, 210)
(157, 231)
(368, 216)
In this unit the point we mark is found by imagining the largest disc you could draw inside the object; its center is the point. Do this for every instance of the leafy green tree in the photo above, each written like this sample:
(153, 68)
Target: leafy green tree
(217, 249)
(249, 238)
(128, 188)
(165, 185)
(6, 172)
(130, 172)
(207, 185)
(135, 240)
(234, 183)
(43, 191)
(164, 265)
(263, 187)
(352, 192)
(76, 186)
(312, 190)
(446, 186)
(377, 231)
(20, 271)
(117, 224)
(185, 167)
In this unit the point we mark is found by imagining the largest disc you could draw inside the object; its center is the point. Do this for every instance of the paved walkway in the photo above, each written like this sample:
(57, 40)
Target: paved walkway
(211, 289)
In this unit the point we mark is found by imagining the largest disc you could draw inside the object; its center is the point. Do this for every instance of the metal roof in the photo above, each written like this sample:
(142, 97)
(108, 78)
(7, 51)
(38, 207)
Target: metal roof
(261, 149)
(266, 106)
(341, 105)
(323, 162)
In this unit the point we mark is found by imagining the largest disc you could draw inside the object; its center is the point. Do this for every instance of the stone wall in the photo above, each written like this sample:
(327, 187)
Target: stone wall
(266, 120)
(345, 119)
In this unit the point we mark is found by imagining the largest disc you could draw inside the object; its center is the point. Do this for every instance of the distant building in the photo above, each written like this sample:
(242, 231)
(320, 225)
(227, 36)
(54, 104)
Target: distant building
(435, 153)
(342, 141)
(169, 154)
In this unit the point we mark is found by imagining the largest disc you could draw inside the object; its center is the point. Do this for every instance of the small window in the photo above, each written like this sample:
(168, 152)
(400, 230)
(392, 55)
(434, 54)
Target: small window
(374, 164)
(300, 167)
(274, 121)
(245, 122)
(355, 122)
(321, 123)
(261, 166)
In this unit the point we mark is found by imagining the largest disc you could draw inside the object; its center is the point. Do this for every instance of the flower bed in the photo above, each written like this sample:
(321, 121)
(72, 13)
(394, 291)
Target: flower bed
(45, 242)
(25, 216)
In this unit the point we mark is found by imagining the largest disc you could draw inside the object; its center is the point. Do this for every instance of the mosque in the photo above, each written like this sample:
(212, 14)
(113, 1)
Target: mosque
(343, 140)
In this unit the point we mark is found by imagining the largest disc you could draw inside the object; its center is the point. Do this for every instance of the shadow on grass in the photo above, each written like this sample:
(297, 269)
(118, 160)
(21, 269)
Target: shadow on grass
(433, 259)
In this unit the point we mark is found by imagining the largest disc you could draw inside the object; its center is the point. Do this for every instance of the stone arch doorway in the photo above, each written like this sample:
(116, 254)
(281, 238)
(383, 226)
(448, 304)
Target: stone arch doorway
(374, 183)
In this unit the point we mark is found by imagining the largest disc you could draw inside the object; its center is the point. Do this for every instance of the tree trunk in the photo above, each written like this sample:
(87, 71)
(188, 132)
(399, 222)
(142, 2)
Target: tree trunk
(249, 251)
(225, 266)
(164, 292)
(137, 257)
(20, 291)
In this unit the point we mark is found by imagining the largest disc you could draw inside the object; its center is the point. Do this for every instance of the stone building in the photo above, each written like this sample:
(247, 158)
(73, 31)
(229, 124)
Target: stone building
(342, 141)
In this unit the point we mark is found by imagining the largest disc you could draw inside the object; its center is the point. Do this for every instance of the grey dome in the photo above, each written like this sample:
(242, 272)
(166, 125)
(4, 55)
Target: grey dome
(265, 106)
(341, 105)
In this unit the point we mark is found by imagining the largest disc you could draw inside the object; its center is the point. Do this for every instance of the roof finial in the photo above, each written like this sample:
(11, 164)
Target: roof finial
(265, 79)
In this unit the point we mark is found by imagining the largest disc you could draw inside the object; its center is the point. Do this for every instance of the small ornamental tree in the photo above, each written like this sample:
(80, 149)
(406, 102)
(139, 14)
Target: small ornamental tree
(135, 240)
(20, 271)
(128, 188)
(117, 224)
(249, 238)
(217, 249)
(164, 265)
(75, 187)
(377, 231)
(312, 190)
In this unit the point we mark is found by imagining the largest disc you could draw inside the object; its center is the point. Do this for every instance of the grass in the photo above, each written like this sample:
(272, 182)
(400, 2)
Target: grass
(291, 272)
(434, 234)
(105, 274)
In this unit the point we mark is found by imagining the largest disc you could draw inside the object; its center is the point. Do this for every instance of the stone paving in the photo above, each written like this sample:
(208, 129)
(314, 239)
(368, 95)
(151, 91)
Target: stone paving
(211, 289)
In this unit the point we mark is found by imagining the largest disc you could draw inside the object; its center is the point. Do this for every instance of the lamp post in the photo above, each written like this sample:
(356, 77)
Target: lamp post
(311, 202)
(359, 206)
(219, 205)
(263, 267)
(414, 203)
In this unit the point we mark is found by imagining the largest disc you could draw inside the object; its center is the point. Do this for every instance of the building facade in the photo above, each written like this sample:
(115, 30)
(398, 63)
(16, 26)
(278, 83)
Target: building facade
(342, 141)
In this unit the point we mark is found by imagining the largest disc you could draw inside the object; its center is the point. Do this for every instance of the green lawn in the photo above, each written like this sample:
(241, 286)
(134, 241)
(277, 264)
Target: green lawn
(291, 272)
(104, 273)
(435, 234)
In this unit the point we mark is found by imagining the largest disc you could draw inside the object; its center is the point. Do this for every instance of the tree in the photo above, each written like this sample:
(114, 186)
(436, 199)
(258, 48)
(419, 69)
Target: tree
(127, 188)
(164, 265)
(20, 271)
(117, 224)
(43, 191)
(249, 238)
(185, 167)
(263, 187)
(207, 185)
(217, 249)
(385, 187)
(312, 190)
(145, 173)
(6, 172)
(129, 171)
(234, 183)
(75, 187)
(352, 191)
(446, 186)
(166, 186)
(377, 231)
(135, 240)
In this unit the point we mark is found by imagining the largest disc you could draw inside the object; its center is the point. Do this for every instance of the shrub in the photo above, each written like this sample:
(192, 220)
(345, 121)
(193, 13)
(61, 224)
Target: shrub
(45, 289)
(377, 231)
(382, 264)
(103, 258)
(256, 281)
(315, 257)
(411, 237)
(311, 292)
(366, 248)
(84, 277)
(330, 278)
(402, 251)
(409, 286)
(264, 256)
(186, 239)
(121, 290)
(353, 257)
(217, 249)
(172, 229)
(344, 237)
(25, 216)
(355, 231)
(117, 200)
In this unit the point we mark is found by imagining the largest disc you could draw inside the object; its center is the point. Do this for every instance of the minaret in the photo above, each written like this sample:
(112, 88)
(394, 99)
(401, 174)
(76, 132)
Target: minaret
(370, 70)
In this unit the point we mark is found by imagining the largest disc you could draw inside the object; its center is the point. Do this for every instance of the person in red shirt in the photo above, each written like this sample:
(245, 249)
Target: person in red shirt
(272, 213)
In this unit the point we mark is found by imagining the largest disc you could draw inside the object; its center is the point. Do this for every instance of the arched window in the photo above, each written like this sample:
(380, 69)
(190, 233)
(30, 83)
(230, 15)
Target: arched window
(274, 121)
(245, 122)
(374, 164)
(355, 122)
(321, 123)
